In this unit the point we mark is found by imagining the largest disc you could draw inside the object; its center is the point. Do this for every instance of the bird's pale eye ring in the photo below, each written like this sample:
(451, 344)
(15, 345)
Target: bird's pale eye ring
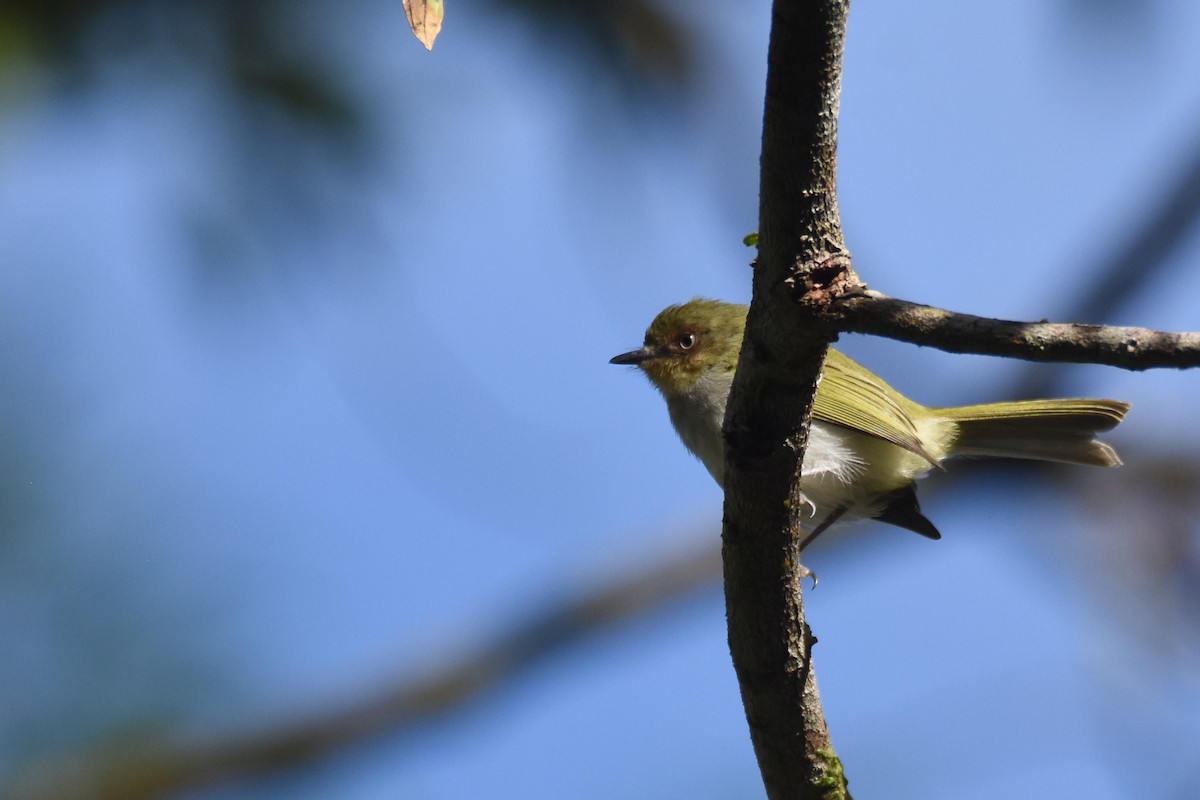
(687, 341)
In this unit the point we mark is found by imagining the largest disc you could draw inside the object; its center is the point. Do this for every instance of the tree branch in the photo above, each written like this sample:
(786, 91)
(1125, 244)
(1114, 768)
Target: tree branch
(155, 769)
(766, 424)
(1129, 348)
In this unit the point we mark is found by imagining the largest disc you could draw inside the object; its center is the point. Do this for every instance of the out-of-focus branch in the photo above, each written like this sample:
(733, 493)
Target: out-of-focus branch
(766, 424)
(156, 770)
(1148, 246)
(1133, 264)
(1129, 348)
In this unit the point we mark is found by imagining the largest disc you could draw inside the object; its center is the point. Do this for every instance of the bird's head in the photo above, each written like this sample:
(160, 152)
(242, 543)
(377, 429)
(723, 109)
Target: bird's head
(685, 342)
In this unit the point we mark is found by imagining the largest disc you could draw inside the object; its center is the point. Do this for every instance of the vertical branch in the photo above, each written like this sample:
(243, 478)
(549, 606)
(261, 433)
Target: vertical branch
(766, 427)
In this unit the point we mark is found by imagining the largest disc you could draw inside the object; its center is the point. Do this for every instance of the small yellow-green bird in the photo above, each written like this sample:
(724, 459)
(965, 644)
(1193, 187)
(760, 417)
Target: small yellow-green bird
(868, 443)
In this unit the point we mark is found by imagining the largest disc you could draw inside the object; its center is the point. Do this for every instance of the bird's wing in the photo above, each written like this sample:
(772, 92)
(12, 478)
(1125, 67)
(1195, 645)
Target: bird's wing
(855, 398)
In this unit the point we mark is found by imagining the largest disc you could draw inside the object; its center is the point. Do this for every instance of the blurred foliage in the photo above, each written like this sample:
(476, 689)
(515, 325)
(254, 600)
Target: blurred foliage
(296, 138)
(254, 41)
(251, 44)
(635, 38)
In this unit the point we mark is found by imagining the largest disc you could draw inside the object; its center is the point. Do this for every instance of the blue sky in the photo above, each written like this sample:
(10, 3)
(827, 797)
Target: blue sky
(283, 432)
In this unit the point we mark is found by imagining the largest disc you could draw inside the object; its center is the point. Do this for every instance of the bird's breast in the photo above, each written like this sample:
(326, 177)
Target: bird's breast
(843, 468)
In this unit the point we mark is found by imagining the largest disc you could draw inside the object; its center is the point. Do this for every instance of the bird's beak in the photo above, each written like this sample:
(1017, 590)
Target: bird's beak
(634, 357)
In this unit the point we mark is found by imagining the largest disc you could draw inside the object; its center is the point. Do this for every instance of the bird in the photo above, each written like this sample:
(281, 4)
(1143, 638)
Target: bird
(868, 444)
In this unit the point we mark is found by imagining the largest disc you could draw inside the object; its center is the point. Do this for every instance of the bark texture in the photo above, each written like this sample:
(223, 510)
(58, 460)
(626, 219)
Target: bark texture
(766, 425)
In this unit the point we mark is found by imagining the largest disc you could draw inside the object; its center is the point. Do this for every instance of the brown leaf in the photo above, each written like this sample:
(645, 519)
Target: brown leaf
(425, 18)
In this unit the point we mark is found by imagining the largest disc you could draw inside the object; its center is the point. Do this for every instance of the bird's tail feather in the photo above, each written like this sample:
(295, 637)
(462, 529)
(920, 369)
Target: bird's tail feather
(1046, 430)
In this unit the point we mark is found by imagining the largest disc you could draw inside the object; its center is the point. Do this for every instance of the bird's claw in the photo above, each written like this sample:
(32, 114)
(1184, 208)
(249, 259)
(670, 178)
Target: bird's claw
(812, 507)
(805, 572)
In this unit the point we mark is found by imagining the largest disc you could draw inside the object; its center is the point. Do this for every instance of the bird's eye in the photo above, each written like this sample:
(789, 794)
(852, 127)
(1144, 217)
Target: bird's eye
(687, 341)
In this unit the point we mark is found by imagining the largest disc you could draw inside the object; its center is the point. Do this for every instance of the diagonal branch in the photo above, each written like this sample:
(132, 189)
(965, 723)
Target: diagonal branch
(162, 768)
(1165, 224)
(1135, 264)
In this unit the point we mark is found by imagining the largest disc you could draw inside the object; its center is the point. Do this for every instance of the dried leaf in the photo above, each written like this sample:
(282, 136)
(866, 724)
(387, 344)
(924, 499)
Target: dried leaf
(425, 18)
